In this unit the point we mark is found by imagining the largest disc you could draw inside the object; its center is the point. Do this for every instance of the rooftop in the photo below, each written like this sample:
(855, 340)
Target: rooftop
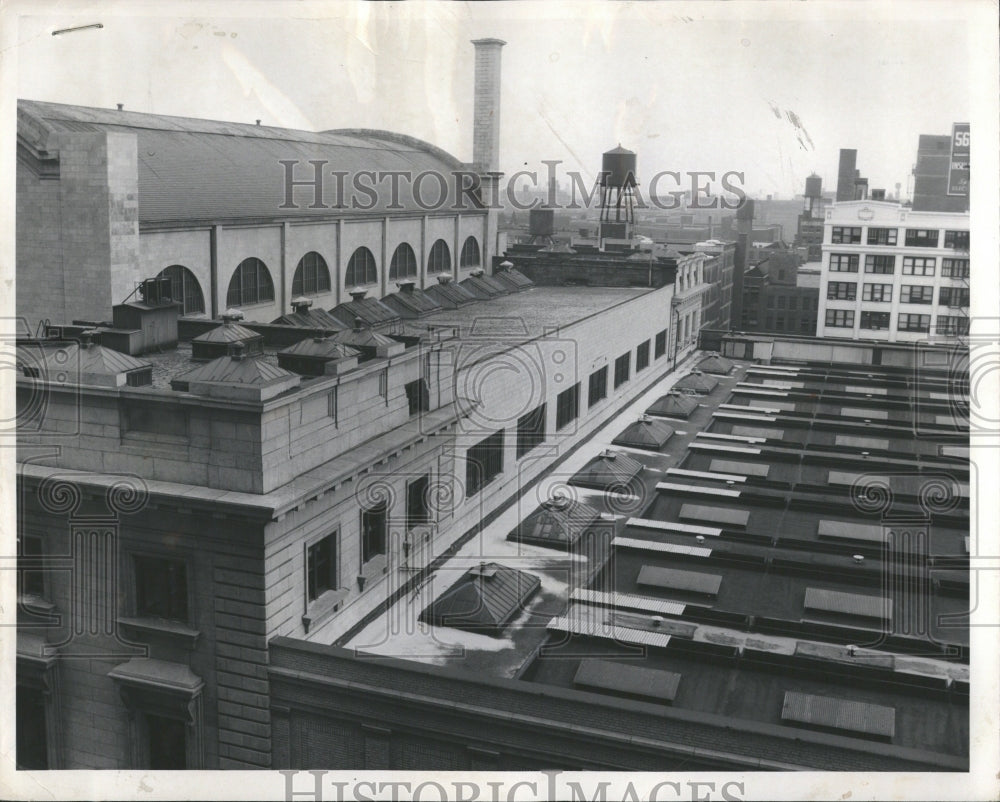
(192, 169)
(750, 563)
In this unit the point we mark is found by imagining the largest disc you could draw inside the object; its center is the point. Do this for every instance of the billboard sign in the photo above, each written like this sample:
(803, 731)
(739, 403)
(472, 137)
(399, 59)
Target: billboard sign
(958, 171)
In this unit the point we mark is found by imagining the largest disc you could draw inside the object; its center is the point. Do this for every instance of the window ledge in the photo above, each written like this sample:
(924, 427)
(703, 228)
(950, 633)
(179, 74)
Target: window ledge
(372, 569)
(36, 609)
(161, 626)
(322, 608)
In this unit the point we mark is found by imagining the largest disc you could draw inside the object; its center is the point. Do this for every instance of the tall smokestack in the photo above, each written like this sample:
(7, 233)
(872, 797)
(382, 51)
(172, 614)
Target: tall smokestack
(486, 114)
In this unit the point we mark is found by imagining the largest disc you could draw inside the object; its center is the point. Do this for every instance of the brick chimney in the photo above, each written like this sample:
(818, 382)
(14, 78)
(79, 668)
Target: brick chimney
(486, 112)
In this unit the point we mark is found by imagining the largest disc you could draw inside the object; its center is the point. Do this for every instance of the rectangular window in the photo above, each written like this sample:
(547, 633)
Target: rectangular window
(954, 296)
(567, 406)
(321, 567)
(167, 743)
(161, 588)
(880, 264)
(30, 725)
(793, 303)
(597, 389)
(841, 291)
(770, 302)
(383, 385)
(32, 581)
(331, 405)
(374, 531)
(955, 268)
(530, 430)
(660, 345)
(417, 396)
(918, 266)
(916, 294)
(840, 318)
(952, 325)
(483, 463)
(909, 322)
(844, 262)
(418, 509)
(874, 320)
(922, 237)
(806, 328)
(845, 235)
(779, 323)
(781, 302)
(642, 357)
(877, 292)
(155, 419)
(622, 369)
(882, 236)
(957, 240)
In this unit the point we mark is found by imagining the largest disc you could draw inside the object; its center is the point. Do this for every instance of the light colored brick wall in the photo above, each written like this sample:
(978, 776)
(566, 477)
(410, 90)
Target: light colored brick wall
(262, 242)
(189, 248)
(39, 252)
(321, 238)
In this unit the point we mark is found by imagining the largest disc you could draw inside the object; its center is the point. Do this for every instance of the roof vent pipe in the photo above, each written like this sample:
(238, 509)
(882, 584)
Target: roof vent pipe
(237, 351)
(121, 106)
(359, 324)
(444, 278)
(358, 295)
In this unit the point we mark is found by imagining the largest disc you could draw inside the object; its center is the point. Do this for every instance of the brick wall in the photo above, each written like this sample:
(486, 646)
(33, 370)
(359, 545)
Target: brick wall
(226, 608)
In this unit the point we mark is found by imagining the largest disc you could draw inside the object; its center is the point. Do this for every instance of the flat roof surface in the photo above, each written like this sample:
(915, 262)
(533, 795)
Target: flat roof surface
(693, 591)
(531, 312)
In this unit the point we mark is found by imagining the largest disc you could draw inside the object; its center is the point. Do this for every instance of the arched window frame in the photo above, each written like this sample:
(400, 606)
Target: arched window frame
(439, 258)
(361, 269)
(471, 255)
(185, 288)
(250, 284)
(312, 275)
(403, 264)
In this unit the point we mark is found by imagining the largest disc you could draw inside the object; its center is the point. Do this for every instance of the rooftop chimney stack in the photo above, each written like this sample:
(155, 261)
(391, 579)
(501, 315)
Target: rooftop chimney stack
(486, 112)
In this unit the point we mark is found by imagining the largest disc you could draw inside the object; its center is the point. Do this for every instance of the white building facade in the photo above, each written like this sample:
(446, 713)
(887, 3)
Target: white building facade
(890, 273)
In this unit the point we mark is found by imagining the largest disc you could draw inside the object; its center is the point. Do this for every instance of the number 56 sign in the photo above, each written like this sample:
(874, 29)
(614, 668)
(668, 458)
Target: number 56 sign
(958, 174)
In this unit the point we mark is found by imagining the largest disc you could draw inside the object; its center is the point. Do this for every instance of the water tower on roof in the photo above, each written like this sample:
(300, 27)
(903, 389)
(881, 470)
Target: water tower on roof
(617, 194)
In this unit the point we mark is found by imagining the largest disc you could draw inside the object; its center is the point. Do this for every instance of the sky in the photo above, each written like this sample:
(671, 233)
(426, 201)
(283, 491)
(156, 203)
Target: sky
(771, 90)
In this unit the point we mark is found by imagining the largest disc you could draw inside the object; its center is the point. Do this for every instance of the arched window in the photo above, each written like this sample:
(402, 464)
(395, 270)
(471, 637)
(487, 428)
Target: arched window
(250, 284)
(404, 263)
(361, 269)
(470, 253)
(184, 288)
(311, 275)
(439, 260)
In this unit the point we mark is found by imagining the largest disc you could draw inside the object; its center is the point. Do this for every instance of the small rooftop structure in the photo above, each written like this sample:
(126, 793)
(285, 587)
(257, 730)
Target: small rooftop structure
(673, 405)
(369, 343)
(484, 287)
(558, 523)
(485, 599)
(370, 310)
(507, 274)
(237, 377)
(715, 363)
(608, 471)
(697, 382)
(84, 362)
(303, 316)
(449, 294)
(645, 433)
(218, 342)
(318, 356)
(411, 302)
